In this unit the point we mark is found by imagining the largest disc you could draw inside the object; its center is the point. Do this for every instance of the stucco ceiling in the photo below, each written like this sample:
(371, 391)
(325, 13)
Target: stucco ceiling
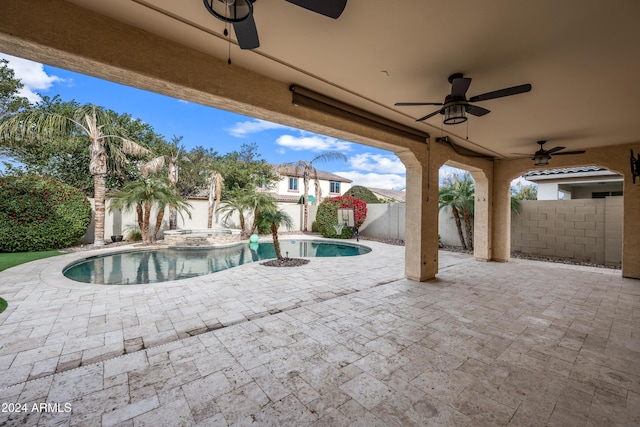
(580, 56)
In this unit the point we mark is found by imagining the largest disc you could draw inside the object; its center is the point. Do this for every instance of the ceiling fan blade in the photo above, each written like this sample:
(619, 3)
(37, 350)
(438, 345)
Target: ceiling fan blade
(247, 33)
(477, 111)
(570, 152)
(459, 86)
(554, 149)
(411, 104)
(427, 116)
(515, 90)
(523, 154)
(331, 8)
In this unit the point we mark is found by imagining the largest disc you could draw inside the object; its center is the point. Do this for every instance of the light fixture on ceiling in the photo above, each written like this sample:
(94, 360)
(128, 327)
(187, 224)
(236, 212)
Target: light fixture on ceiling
(541, 159)
(455, 114)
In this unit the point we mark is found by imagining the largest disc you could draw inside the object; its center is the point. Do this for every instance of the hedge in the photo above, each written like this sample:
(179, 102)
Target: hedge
(327, 215)
(39, 214)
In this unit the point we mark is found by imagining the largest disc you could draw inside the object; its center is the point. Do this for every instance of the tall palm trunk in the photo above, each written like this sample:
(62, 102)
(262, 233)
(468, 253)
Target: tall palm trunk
(468, 225)
(305, 201)
(173, 179)
(159, 219)
(456, 217)
(140, 216)
(146, 238)
(276, 242)
(99, 190)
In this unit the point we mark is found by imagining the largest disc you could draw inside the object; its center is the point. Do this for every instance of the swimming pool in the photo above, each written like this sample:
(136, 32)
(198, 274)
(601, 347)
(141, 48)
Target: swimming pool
(161, 265)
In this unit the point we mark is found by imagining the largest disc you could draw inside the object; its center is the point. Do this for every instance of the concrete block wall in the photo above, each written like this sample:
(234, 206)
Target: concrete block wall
(583, 229)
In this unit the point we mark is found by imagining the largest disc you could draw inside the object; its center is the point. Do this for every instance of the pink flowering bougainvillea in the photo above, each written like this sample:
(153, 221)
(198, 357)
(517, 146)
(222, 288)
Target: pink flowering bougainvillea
(327, 215)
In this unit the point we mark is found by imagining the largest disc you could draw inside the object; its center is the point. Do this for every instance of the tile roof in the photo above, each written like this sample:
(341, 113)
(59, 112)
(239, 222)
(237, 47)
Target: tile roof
(289, 171)
(564, 171)
(397, 195)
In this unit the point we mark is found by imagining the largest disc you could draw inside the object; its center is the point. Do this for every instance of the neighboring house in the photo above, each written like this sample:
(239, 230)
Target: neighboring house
(589, 182)
(389, 195)
(290, 188)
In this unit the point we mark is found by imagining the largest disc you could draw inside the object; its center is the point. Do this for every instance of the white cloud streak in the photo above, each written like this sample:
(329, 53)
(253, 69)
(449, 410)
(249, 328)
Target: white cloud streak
(376, 180)
(249, 127)
(383, 163)
(32, 76)
(315, 143)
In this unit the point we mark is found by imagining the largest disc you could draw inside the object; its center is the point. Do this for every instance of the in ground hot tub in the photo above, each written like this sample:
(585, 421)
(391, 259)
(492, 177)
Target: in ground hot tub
(201, 237)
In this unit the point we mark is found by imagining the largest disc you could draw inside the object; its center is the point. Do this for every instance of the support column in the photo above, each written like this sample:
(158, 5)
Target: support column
(630, 229)
(501, 215)
(421, 236)
(482, 218)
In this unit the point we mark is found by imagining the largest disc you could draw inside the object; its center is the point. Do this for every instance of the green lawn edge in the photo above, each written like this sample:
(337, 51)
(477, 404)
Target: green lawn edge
(8, 260)
(11, 259)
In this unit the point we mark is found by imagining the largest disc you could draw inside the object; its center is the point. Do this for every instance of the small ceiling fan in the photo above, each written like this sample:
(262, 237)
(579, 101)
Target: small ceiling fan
(542, 156)
(239, 13)
(456, 105)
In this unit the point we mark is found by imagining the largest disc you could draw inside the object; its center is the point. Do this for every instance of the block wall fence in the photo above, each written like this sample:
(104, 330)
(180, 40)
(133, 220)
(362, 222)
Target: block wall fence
(583, 229)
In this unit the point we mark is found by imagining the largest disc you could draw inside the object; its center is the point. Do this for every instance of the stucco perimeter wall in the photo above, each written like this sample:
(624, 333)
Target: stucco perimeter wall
(385, 220)
(585, 229)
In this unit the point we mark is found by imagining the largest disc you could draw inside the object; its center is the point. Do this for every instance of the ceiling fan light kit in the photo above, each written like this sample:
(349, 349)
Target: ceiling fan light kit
(455, 114)
(456, 106)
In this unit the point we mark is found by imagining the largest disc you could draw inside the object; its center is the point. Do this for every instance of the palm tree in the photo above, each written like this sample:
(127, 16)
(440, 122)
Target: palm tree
(105, 144)
(274, 219)
(215, 189)
(143, 195)
(457, 194)
(308, 172)
(234, 203)
(258, 202)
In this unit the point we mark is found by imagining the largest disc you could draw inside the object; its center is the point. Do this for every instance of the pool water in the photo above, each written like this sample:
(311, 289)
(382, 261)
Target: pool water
(161, 265)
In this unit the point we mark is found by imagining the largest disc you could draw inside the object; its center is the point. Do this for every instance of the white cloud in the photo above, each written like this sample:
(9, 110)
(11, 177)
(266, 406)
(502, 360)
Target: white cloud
(386, 163)
(243, 129)
(387, 181)
(32, 76)
(312, 142)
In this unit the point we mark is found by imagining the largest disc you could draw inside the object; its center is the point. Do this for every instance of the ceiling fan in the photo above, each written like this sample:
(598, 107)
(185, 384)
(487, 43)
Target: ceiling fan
(456, 105)
(239, 13)
(542, 156)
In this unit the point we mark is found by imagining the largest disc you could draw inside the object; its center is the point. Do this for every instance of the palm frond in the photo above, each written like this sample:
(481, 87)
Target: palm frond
(152, 166)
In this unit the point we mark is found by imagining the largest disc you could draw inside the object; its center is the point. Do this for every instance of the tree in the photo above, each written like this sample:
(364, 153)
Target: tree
(143, 196)
(458, 194)
(37, 126)
(258, 202)
(244, 169)
(362, 193)
(234, 204)
(274, 219)
(10, 101)
(307, 170)
(215, 193)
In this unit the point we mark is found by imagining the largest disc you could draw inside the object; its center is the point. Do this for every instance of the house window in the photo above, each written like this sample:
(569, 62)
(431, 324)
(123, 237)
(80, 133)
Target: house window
(603, 194)
(334, 187)
(293, 183)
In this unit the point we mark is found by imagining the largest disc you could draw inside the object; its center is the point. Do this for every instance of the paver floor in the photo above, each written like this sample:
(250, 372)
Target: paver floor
(337, 342)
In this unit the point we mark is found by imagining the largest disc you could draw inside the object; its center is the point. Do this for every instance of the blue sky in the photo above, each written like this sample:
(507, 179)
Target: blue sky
(209, 127)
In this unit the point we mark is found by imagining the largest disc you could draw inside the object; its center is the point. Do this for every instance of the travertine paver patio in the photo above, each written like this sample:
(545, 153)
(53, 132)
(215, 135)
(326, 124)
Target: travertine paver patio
(338, 342)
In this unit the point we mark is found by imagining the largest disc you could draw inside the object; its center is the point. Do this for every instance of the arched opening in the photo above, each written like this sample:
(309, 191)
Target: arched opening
(464, 208)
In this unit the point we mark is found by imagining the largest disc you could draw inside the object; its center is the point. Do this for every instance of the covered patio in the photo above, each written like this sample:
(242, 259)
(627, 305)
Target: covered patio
(343, 77)
(518, 343)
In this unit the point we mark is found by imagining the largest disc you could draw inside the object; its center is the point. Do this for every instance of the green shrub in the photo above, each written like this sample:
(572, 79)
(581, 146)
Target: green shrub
(362, 193)
(314, 227)
(327, 215)
(39, 214)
